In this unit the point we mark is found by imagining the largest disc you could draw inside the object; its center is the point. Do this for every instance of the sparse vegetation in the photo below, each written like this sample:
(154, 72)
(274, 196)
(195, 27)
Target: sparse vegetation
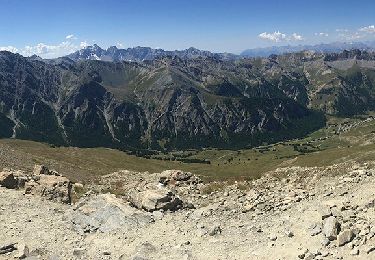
(354, 140)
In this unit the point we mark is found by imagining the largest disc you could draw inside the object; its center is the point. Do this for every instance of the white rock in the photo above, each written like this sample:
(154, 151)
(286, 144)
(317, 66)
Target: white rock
(272, 237)
(22, 251)
(215, 231)
(331, 228)
(354, 251)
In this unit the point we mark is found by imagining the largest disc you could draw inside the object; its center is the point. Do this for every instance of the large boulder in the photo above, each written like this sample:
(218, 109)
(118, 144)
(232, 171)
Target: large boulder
(13, 179)
(44, 182)
(56, 188)
(331, 228)
(159, 198)
(43, 170)
(177, 178)
(8, 180)
(105, 213)
(180, 175)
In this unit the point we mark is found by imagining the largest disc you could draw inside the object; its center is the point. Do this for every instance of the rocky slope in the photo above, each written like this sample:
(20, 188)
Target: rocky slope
(291, 213)
(170, 102)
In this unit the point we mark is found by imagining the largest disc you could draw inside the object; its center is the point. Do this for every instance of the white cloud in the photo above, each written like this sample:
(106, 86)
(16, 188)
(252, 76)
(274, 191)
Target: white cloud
(71, 37)
(278, 37)
(350, 36)
(322, 34)
(50, 51)
(361, 33)
(9, 48)
(274, 37)
(368, 29)
(356, 36)
(83, 44)
(119, 45)
(296, 37)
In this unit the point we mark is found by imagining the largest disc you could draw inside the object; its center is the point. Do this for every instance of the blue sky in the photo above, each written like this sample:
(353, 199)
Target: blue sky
(54, 28)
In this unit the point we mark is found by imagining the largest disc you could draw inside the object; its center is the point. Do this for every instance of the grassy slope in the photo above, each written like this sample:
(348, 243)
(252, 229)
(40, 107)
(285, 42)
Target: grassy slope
(84, 164)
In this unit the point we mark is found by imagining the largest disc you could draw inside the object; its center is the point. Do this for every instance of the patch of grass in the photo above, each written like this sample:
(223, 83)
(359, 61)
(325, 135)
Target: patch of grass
(213, 187)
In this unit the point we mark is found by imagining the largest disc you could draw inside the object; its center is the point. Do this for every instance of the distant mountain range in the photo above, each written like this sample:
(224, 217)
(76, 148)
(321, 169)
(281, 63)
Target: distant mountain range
(139, 54)
(179, 102)
(142, 53)
(320, 48)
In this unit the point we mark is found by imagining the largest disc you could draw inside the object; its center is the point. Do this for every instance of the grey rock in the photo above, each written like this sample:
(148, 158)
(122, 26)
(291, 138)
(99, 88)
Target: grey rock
(201, 230)
(157, 215)
(215, 231)
(272, 237)
(177, 177)
(345, 237)
(325, 212)
(56, 188)
(79, 251)
(105, 213)
(354, 251)
(315, 229)
(325, 241)
(336, 212)
(155, 199)
(180, 175)
(331, 228)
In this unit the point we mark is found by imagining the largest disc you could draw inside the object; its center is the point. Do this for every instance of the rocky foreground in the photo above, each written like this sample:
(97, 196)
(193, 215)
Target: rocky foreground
(291, 213)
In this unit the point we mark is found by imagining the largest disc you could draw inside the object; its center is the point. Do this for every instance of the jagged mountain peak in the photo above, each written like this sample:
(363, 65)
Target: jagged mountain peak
(140, 53)
(112, 48)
